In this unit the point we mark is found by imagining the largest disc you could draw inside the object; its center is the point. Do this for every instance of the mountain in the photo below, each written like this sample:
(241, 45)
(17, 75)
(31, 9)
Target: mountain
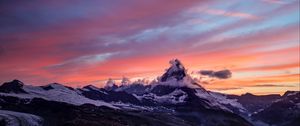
(14, 86)
(174, 100)
(282, 112)
(176, 71)
(59, 105)
(51, 92)
(94, 93)
(272, 109)
(177, 87)
(254, 103)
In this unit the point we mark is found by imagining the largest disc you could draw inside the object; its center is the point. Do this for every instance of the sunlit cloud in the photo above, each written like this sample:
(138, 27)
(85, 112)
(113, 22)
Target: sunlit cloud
(231, 14)
(275, 1)
(80, 43)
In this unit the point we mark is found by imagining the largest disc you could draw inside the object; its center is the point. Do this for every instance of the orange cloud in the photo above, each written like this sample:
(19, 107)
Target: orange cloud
(270, 68)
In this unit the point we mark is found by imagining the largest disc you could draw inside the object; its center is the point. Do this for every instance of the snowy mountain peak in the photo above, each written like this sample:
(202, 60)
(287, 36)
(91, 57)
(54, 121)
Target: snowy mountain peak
(176, 76)
(175, 71)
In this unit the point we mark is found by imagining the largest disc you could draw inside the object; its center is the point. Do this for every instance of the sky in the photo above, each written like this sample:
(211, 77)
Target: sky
(86, 42)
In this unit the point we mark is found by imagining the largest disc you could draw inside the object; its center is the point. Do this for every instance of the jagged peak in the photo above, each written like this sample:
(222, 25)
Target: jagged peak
(176, 65)
(175, 71)
(176, 76)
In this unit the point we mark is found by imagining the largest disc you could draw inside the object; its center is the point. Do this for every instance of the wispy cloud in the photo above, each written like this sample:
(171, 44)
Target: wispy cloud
(82, 42)
(231, 14)
(275, 1)
(270, 68)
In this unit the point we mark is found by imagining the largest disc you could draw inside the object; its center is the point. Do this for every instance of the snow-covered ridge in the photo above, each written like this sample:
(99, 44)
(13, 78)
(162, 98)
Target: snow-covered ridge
(59, 93)
(291, 96)
(175, 97)
(175, 77)
(220, 100)
(20, 119)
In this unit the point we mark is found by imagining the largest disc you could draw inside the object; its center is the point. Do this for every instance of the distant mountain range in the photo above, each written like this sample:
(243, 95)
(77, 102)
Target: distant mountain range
(175, 100)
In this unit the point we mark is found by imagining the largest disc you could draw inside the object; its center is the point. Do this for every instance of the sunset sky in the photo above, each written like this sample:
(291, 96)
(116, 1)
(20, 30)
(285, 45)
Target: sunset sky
(86, 42)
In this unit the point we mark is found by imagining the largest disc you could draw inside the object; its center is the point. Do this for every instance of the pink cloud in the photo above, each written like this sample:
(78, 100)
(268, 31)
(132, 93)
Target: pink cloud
(275, 1)
(231, 14)
(61, 51)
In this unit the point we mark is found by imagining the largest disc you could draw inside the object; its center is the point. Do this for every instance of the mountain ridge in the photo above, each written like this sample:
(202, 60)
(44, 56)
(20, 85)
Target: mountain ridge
(176, 95)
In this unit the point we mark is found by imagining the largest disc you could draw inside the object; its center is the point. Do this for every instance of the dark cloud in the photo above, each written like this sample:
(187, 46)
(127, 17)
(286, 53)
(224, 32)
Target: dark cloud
(222, 74)
(206, 72)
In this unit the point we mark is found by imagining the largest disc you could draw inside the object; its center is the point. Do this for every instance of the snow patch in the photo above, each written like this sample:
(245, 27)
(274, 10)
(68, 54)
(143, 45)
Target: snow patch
(60, 94)
(219, 100)
(131, 106)
(175, 97)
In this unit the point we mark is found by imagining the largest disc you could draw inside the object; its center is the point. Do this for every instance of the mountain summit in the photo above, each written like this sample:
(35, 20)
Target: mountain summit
(176, 71)
(176, 76)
